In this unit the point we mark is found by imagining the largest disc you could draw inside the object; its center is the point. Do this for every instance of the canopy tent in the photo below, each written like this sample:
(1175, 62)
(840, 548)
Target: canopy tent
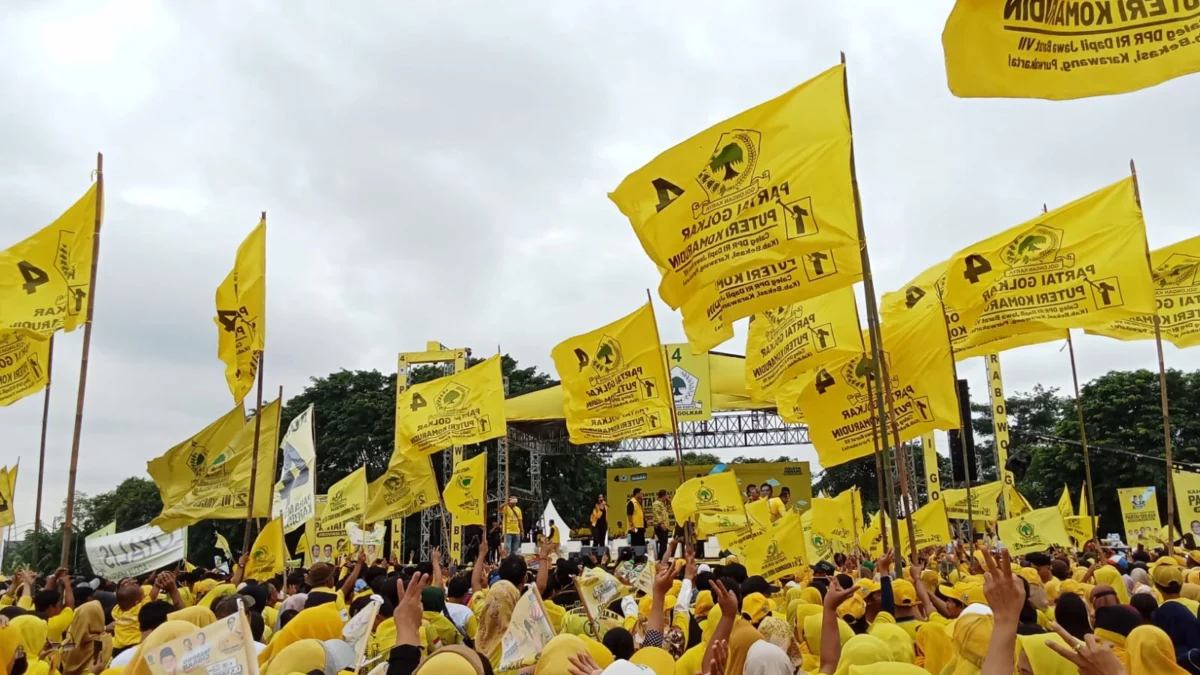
(551, 513)
(727, 373)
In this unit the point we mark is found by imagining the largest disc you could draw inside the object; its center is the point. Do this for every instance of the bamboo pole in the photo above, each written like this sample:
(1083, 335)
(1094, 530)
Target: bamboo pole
(1087, 460)
(901, 458)
(68, 521)
(254, 459)
(687, 532)
(966, 459)
(884, 484)
(872, 307)
(37, 509)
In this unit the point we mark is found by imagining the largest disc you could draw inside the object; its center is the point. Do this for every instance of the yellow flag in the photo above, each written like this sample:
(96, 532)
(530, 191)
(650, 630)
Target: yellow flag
(1065, 50)
(1034, 531)
(1177, 292)
(110, 528)
(999, 419)
(758, 518)
(983, 502)
(242, 313)
(1187, 501)
(8, 489)
(269, 556)
(1064, 504)
(933, 474)
(460, 409)
(927, 290)
(832, 525)
(1082, 528)
(777, 552)
(223, 546)
(1082, 265)
(1139, 510)
(407, 487)
(714, 495)
(597, 589)
(691, 383)
(465, 494)
(24, 356)
(222, 491)
(784, 342)
(45, 279)
(930, 525)
(346, 501)
(614, 381)
(177, 472)
(1083, 505)
(708, 314)
(871, 539)
(840, 411)
(1016, 502)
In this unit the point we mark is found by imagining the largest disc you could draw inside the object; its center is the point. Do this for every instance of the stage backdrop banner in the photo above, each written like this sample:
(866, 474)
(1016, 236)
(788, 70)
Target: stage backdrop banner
(621, 482)
(135, 552)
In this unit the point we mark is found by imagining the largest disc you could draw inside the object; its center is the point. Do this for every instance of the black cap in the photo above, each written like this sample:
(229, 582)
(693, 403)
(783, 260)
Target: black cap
(757, 584)
(824, 567)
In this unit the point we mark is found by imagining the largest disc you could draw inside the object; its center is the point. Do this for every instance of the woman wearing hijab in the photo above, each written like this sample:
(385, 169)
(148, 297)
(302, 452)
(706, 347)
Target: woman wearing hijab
(765, 658)
(493, 621)
(1034, 657)
(779, 633)
(454, 660)
(1115, 623)
(1071, 612)
(322, 622)
(10, 641)
(1103, 596)
(972, 633)
(862, 650)
(1141, 581)
(556, 655)
(197, 615)
(1145, 604)
(87, 631)
(33, 639)
(1109, 576)
(935, 648)
(742, 638)
(1178, 622)
(1152, 653)
(898, 641)
(433, 602)
(308, 655)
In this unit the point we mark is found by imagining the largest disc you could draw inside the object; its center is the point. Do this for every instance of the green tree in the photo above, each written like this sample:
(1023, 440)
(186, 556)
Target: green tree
(624, 462)
(689, 459)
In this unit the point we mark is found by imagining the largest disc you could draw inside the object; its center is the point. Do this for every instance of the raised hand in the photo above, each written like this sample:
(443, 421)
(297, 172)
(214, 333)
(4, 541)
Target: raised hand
(836, 595)
(1004, 591)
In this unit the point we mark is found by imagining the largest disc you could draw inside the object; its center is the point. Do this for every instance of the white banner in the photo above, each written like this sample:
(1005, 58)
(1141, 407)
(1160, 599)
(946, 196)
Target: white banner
(128, 554)
(294, 491)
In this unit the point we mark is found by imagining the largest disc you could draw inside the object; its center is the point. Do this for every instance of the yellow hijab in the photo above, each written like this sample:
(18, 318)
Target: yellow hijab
(452, 660)
(863, 650)
(493, 621)
(218, 592)
(1109, 575)
(10, 639)
(33, 638)
(1118, 643)
(655, 658)
(555, 657)
(971, 636)
(744, 635)
(888, 669)
(322, 622)
(898, 641)
(935, 646)
(1043, 660)
(812, 633)
(812, 596)
(300, 656)
(802, 614)
(165, 633)
(87, 628)
(197, 615)
(1151, 652)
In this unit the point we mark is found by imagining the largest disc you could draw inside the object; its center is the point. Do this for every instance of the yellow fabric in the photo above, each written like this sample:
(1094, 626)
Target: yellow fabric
(1118, 641)
(1192, 605)
(888, 669)
(57, 625)
(599, 652)
(1037, 530)
(756, 607)
(971, 635)
(812, 596)
(655, 658)
(463, 408)
(177, 469)
(242, 315)
(33, 638)
(443, 628)
(555, 655)
(780, 550)
(323, 622)
(812, 632)
(407, 487)
(1151, 652)
(983, 503)
(269, 554)
(10, 639)
(936, 648)
(691, 661)
(862, 650)
(24, 373)
(714, 494)
(744, 636)
(594, 367)
(451, 661)
(899, 642)
(126, 631)
(165, 633)
(1043, 660)
(198, 616)
(1110, 576)
(44, 279)
(87, 628)
(219, 591)
(301, 656)
(493, 620)
(464, 494)
(638, 520)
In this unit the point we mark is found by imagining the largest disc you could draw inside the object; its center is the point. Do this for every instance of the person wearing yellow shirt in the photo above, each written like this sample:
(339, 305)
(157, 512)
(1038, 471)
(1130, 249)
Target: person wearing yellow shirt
(637, 519)
(514, 526)
(1168, 579)
(20, 591)
(56, 604)
(130, 600)
(779, 505)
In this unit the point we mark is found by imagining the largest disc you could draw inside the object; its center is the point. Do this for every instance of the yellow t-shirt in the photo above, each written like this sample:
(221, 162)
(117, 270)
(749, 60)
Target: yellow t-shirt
(638, 521)
(58, 625)
(778, 508)
(126, 633)
(1190, 604)
(185, 594)
(512, 519)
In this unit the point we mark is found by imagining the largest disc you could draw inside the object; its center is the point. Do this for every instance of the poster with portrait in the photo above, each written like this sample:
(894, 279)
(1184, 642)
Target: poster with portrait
(222, 648)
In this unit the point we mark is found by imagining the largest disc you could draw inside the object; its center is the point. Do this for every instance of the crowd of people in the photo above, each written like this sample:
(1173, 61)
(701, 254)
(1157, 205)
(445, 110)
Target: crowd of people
(954, 612)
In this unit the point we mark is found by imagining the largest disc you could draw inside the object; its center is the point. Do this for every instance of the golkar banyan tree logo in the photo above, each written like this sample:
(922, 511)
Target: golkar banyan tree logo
(728, 176)
(452, 397)
(705, 496)
(1177, 271)
(608, 358)
(1038, 246)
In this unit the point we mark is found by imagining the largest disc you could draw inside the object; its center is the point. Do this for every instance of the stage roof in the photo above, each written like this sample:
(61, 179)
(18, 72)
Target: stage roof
(729, 393)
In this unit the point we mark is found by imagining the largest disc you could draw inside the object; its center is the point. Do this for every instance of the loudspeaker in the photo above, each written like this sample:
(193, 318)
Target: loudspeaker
(630, 552)
(1018, 463)
(598, 551)
(964, 439)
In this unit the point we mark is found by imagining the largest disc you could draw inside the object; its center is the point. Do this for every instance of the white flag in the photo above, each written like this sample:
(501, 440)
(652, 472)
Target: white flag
(294, 491)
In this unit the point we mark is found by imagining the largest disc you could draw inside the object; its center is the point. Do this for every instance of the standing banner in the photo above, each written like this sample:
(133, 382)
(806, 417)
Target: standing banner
(23, 358)
(1187, 501)
(1177, 291)
(691, 383)
(1066, 50)
(933, 474)
(1035, 531)
(983, 502)
(134, 552)
(999, 418)
(1139, 511)
(225, 647)
(346, 501)
(460, 409)
(529, 631)
(294, 490)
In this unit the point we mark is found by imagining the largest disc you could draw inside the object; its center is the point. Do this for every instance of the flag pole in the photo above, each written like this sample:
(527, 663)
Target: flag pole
(1162, 388)
(966, 459)
(882, 477)
(69, 514)
(872, 308)
(37, 510)
(1087, 461)
(254, 457)
(687, 533)
(901, 456)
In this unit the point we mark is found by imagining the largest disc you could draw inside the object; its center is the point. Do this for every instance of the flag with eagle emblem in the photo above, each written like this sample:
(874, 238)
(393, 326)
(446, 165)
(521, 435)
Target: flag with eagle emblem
(464, 494)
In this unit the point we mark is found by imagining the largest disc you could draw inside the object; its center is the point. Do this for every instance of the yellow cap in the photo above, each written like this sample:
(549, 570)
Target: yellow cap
(1031, 575)
(868, 586)
(966, 593)
(904, 593)
(854, 607)
(1166, 574)
(1195, 556)
(756, 606)
(644, 605)
(704, 604)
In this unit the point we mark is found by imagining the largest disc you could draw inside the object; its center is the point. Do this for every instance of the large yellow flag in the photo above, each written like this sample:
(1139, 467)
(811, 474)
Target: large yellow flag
(1082, 265)
(983, 505)
(465, 494)
(1139, 510)
(1065, 50)
(1177, 291)
(45, 279)
(1081, 528)
(927, 290)
(786, 341)
(1034, 531)
(1015, 502)
(269, 556)
(1064, 504)
(840, 412)
(758, 518)
(712, 495)
(777, 552)
(177, 472)
(930, 526)
(708, 314)
(408, 486)
(832, 525)
(1187, 500)
(460, 409)
(242, 313)
(871, 539)
(346, 501)
(24, 356)
(222, 489)
(614, 381)
(8, 489)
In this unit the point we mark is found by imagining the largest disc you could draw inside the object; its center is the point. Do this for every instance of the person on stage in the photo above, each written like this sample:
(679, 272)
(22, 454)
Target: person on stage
(637, 519)
(752, 494)
(661, 515)
(514, 526)
(600, 522)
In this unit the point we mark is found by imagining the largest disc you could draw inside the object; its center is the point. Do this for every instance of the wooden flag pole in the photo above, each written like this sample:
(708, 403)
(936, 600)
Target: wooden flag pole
(687, 532)
(872, 307)
(1162, 389)
(37, 509)
(901, 458)
(884, 488)
(1087, 460)
(966, 459)
(254, 459)
(69, 518)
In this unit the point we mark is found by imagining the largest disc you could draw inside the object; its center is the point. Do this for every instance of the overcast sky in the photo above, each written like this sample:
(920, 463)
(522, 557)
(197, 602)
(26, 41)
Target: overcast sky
(440, 170)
